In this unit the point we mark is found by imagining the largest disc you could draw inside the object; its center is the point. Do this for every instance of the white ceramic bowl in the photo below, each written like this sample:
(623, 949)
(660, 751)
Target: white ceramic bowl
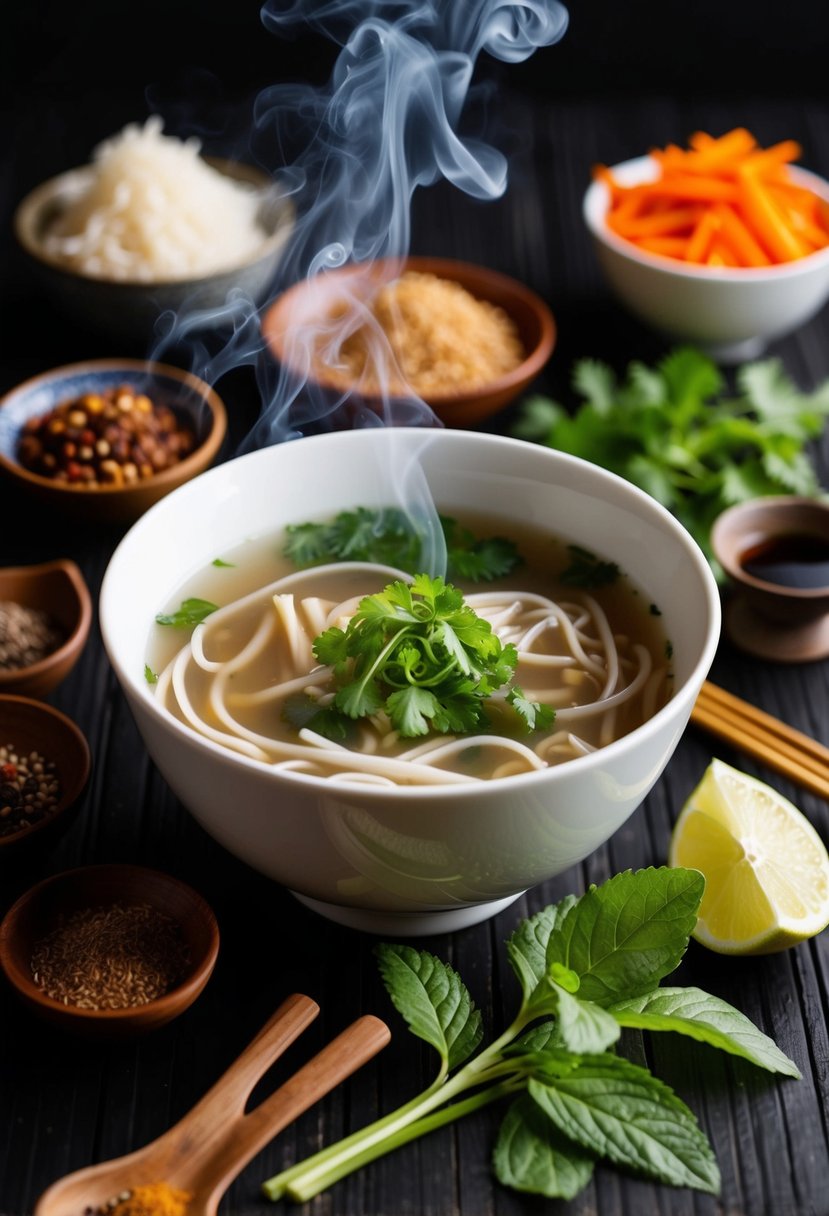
(412, 860)
(731, 314)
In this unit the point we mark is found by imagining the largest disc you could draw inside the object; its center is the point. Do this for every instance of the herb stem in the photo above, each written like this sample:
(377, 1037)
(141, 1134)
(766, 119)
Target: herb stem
(332, 1163)
(302, 1188)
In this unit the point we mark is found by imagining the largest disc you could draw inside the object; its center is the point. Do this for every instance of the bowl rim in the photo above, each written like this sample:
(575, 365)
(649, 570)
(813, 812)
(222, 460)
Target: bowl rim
(455, 270)
(681, 699)
(76, 639)
(70, 728)
(203, 452)
(179, 997)
(29, 207)
(594, 209)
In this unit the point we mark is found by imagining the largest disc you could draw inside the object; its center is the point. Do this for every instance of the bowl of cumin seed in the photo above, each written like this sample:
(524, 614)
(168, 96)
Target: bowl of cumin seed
(109, 950)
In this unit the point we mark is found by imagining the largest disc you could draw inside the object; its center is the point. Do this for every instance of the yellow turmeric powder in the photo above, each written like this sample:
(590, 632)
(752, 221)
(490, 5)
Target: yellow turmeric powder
(152, 1199)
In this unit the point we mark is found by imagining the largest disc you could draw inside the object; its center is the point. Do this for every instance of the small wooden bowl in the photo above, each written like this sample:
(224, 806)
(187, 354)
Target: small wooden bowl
(57, 588)
(189, 397)
(313, 299)
(36, 913)
(35, 726)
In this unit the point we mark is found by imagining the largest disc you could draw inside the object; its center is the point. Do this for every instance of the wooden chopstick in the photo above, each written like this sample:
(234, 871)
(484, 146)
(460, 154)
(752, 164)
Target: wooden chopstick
(760, 735)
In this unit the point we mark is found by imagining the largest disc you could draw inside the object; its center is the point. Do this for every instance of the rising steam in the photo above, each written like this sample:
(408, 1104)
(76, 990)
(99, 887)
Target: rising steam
(386, 124)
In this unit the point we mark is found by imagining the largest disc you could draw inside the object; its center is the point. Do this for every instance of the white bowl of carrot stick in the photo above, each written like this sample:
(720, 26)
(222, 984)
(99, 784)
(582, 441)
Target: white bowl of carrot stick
(724, 243)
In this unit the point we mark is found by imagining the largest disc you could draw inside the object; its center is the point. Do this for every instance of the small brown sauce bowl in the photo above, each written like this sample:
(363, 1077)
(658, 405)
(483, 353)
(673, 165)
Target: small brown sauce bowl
(32, 725)
(773, 620)
(58, 589)
(39, 910)
(315, 298)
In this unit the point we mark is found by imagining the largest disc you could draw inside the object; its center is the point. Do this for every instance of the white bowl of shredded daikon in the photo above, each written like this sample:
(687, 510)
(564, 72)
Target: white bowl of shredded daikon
(152, 227)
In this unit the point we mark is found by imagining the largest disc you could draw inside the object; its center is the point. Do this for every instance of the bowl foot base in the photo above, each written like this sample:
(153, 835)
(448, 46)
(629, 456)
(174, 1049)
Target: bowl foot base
(729, 353)
(407, 924)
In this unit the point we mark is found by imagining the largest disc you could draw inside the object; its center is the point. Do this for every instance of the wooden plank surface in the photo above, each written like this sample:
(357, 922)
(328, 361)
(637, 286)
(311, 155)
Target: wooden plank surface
(65, 1103)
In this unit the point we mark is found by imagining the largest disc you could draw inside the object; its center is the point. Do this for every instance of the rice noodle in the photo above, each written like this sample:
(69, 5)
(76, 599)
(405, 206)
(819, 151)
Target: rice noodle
(568, 656)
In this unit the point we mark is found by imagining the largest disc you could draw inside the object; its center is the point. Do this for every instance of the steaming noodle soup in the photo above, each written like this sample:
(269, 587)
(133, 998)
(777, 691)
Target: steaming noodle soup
(599, 656)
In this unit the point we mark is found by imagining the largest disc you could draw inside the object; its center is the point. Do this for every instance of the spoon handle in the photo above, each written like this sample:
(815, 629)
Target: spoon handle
(337, 1060)
(225, 1100)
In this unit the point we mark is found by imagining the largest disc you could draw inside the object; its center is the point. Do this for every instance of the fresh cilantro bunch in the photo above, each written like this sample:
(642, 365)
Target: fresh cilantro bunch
(587, 967)
(674, 431)
(388, 537)
(424, 656)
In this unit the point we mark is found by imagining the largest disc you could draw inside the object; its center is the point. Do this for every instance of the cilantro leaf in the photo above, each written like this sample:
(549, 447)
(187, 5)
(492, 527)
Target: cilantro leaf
(533, 714)
(420, 653)
(675, 431)
(191, 612)
(149, 675)
(388, 536)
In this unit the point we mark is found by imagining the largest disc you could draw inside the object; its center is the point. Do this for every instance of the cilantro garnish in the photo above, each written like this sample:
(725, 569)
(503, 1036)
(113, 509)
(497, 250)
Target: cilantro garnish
(676, 432)
(420, 653)
(149, 675)
(222, 564)
(388, 537)
(587, 570)
(191, 612)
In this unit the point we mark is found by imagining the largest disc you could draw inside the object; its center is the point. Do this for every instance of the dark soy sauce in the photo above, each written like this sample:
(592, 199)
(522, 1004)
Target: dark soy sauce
(791, 559)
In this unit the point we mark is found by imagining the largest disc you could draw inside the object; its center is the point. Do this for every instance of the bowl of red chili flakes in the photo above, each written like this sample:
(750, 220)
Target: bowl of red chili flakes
(109, 437)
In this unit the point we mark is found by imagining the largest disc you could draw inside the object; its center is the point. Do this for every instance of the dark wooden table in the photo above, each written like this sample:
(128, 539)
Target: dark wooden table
(65, 1103)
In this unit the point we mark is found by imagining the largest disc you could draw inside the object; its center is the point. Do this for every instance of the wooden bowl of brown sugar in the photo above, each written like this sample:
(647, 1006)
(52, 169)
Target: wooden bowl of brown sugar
(396, 336)
(109, 950)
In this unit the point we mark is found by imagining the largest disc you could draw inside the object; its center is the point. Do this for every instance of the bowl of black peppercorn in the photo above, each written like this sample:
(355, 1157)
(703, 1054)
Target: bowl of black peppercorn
(45, 764)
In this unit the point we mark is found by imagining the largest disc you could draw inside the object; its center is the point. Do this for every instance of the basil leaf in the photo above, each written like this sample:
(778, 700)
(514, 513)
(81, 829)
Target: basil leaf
(527, 947)
(707, 1019)
(433, 1000)
(191, 612)
(532, 1155)
(623, 937)
(585, 1028)
(619, 1111)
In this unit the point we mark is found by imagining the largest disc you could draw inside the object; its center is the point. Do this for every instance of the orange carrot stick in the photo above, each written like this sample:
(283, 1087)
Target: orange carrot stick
(702, 238)
(736, 236)
(765, 219)
(665, 222)
(668, 246)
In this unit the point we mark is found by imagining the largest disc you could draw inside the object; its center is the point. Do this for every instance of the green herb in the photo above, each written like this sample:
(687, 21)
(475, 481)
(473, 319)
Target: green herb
(587, 570)
(674, 431)
(388, 537)
(191, 612)
(222, 564)
(587, 967)
(149, 675)
(420, 653)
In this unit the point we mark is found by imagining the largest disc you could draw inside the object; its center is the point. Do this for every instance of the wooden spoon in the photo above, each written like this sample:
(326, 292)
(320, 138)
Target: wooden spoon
(207, 1148)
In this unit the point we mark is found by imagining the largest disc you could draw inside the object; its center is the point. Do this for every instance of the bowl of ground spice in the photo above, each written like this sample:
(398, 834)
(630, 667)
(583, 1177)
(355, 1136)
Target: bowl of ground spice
(45, 615)
(45, 763)
(462, 339)
(109, 950)
(108, 437)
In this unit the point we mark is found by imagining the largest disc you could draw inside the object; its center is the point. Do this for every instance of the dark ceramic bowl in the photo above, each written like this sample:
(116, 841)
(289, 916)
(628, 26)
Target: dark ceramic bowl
(38, 911)
(127, 311)
(35, 726)
(58, 589)
(313, 299)
(188, 396)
